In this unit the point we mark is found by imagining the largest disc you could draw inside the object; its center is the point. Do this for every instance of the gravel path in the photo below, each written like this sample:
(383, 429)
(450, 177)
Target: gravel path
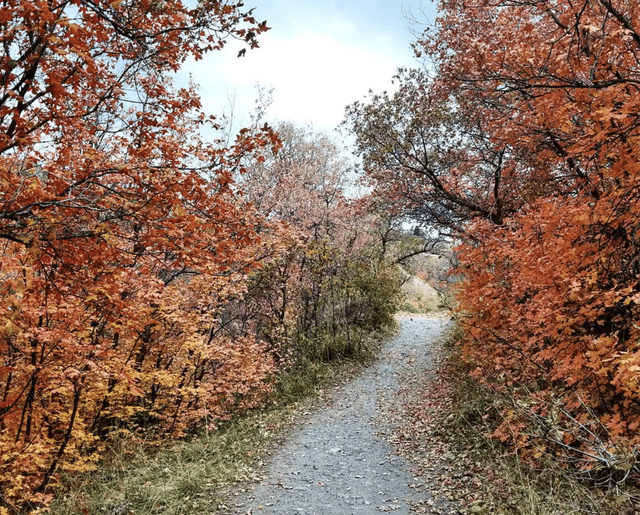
(336, 462)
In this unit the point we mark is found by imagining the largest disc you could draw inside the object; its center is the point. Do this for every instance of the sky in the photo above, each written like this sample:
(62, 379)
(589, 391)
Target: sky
(319, 56)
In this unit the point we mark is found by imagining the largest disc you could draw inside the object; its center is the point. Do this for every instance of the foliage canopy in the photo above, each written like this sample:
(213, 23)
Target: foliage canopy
(523, 146)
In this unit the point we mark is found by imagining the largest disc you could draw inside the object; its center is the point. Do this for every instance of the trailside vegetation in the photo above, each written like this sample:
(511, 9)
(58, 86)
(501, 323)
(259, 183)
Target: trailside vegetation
(146, 285)
(519, 141)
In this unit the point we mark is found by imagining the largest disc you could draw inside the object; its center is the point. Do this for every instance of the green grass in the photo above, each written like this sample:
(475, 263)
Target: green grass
(408, 307)
(195, 476)
(183, 477)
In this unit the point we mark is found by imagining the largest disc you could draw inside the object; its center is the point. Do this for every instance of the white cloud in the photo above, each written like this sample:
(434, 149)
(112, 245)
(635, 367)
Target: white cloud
(315, 73)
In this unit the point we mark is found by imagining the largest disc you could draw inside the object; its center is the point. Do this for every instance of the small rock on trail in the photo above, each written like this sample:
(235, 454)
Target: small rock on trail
(336, 463)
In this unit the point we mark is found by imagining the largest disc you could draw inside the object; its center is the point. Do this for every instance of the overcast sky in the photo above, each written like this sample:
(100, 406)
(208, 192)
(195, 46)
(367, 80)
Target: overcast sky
(319, 56)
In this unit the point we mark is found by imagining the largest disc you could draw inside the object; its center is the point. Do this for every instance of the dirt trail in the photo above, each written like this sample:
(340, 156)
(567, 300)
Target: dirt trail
(336, 462)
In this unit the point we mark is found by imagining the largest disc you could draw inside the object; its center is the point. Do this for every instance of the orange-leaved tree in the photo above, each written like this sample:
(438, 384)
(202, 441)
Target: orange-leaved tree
(544, 202)
(552, 293)
(121, 234)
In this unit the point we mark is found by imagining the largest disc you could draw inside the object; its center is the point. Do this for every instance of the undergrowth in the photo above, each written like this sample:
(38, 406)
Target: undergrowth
(138, 477)
(496, 480)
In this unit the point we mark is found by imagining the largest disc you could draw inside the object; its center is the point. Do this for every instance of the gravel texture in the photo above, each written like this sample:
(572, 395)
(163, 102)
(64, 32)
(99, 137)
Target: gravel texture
(338, 460)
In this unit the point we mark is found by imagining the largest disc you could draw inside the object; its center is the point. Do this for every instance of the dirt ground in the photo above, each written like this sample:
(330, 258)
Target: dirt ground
(339, 459)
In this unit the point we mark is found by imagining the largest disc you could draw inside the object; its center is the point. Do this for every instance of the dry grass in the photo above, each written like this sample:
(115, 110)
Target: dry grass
(448, 419)
(421, 297)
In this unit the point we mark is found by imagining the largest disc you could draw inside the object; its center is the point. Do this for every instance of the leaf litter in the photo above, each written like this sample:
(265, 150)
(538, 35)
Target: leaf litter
(369, 448)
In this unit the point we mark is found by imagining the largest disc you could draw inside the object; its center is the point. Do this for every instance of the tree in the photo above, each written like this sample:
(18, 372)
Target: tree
(540, 100)
(323, 285)
(111, 209)
(302, 184)
(93, 132)
(430, 156)
(550, 296)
